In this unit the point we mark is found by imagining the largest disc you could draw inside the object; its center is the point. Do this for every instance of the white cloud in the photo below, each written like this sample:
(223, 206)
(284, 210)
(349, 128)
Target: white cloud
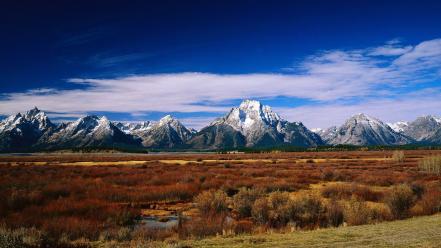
(390, 50)
(331, 79)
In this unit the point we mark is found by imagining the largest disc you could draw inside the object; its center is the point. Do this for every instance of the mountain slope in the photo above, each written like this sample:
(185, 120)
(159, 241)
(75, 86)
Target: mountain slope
(423, 129)
(363, 130)
(398, 126)
(218, 136)
(89, 131)
(167, 133)
(21, 131)
(253, 125)
(133, 128)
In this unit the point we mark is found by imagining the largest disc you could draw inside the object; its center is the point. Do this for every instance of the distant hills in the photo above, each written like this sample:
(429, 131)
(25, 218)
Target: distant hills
(251, 125)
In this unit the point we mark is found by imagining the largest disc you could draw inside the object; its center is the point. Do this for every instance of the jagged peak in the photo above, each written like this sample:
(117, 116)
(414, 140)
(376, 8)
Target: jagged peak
(167, 120)
(35, 110)
(89, 117)
(252, 109)
(362, 118)
(430, 117)
(250, 104)
(34, 113)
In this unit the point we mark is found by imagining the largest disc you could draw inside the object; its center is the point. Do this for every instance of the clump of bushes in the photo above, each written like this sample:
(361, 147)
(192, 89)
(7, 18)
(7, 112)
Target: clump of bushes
(430, 203)
(200, 227)
(400, 200)
(212, 202)
(398, 156)
(346, 191)
(308, 211)
(243, 201)
(335, 213)
(276, 210)
(356, 212)
(273, 210)
(431, 165)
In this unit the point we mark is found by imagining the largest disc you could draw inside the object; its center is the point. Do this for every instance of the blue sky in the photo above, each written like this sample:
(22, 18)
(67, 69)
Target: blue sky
(313, 61)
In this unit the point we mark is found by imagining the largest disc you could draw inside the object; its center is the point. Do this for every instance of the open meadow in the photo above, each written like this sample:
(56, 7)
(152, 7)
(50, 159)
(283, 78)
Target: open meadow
(105, 199)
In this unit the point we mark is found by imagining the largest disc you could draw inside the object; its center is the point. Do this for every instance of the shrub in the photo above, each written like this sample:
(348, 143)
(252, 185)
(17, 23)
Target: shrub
(308, 211)
(418, 190)
(203, 227)
(430, 165)
(346, 191)
(400, 200)
(429, 203)
(380, 212)
(212, 202)
(260, 210)
(398, 156)
(227, 165)
(279, 210)
(356, 213)
(243, 226)
(335, 214)
(243, 201)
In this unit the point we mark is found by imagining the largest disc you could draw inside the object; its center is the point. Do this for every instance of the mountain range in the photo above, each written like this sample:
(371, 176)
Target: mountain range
(249, 125)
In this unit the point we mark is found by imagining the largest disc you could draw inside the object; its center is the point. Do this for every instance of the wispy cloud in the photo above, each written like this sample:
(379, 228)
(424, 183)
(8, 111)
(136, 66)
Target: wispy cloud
(80, 38)
(337, 82)
(103, 60)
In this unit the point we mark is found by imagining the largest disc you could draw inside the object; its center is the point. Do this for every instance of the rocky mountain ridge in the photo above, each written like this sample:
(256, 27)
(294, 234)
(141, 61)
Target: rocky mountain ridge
(251, 124)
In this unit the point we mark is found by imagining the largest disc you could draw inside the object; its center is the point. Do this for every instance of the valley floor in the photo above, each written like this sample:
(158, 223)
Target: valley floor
(415, 232)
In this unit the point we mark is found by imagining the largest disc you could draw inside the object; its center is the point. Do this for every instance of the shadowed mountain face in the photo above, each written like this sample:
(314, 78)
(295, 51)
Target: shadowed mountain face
(249, 125)
(19, 132)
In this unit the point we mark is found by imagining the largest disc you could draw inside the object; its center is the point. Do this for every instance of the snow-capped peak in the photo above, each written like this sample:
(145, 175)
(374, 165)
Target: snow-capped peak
(249, 114)
(365, 119)
(398, 126)
(253, 107)
(166, 119)
(250, 104)
(363, 116)
(33, 117)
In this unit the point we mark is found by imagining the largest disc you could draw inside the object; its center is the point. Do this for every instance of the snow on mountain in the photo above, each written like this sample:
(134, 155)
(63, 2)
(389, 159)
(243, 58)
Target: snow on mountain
(398, 126)
(20, 131)
(33, 118)
(317, 130)
(132, 127)
(89, 131)
(423, 128)
(251, 124)
(254, 124)
(327, 134)
(362, 129)
(168, 132)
